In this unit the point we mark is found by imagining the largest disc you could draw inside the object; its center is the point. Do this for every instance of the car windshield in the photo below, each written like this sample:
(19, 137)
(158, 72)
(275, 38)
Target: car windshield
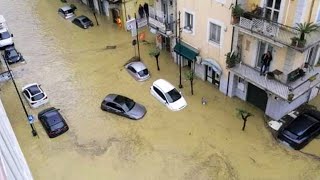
(124, 101)
(300, 125)
(37, 97)
(57, 126)
(12, 53)
(143, 72)
(68, 11)
(4, 35)
(173, 95)
(34, 89)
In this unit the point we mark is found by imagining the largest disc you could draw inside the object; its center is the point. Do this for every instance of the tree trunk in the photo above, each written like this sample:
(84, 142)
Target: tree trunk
(244, 124)
(191, 82)
(302, 36)
(157, 59)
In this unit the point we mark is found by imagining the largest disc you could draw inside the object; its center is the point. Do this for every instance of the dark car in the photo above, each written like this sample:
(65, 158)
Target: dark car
(11, 55)
(301, 130)
(123, 106)
(82, 21)
(53, 122)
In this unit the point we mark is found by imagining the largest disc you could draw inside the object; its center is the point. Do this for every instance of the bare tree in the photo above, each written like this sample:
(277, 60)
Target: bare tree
(244, 115)
(190, 76)
(156, 53)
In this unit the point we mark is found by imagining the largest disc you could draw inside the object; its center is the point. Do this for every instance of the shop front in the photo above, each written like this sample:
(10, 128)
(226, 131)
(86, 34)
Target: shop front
(212, 71)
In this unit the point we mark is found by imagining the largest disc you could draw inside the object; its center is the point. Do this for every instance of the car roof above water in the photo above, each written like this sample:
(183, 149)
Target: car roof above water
(164, 85)
(66, 8)
(138, 66)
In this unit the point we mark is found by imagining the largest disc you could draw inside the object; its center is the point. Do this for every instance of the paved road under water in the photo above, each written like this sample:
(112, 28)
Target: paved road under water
(77, 71)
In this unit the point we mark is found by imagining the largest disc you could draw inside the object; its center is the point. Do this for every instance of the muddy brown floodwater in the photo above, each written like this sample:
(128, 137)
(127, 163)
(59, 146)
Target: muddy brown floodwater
(74, 68)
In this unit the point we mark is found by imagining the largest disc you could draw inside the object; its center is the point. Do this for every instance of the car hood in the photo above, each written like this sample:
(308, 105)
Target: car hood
(137, 112)
(178, 105)
(14, 58)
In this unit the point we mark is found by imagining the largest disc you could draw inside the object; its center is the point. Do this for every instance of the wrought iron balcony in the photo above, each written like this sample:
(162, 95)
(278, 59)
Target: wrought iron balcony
(282, 90)
(276, 32)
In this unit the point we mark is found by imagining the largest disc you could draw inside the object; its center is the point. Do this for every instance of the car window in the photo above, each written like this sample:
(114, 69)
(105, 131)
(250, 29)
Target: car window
(143, 72)
(4, 35)
(57, 126)
(85, 20)
(37, 97)
(132, 69)
(124, 102)
(159, 93)
(310, 131)
(60, 10)
(26, 93)
(173, 95)
(12, 53)
(69, 11)
(114, 106)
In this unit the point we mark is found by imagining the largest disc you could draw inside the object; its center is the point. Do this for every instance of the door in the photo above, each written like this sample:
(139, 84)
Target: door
(273, 10)
(160, 96)
(216, 78)
(257, 97)
(209, 73)
(263, 48)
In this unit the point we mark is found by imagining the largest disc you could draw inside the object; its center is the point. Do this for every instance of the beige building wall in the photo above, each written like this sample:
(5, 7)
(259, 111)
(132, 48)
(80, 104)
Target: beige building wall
(205, 12)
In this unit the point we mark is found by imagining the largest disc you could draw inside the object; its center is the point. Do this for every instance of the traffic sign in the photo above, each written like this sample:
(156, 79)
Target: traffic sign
(30, 119)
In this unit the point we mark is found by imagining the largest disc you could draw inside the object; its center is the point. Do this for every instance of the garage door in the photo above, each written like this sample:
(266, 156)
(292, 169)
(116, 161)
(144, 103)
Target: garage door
(257, 97)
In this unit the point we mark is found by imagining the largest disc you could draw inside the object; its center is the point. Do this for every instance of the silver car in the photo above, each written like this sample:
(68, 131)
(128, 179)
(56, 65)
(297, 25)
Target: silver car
(138, 71)
(66, 12)
(123, 106)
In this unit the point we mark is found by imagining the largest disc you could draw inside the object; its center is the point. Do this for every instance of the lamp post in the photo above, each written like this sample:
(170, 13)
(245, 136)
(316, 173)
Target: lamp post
(29, 117)
(135, 16)
(178, 40)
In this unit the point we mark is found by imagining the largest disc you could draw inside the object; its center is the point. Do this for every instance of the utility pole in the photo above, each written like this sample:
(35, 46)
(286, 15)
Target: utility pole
(135, 16)
(29, 117)
(179, 57)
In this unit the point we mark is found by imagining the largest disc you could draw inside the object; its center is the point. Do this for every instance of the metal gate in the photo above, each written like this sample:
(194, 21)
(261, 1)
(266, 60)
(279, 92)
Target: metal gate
(257, 97)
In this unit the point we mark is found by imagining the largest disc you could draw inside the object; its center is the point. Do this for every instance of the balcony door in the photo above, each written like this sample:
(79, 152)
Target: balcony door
(263, 47)
(273, 10)
(313, 52)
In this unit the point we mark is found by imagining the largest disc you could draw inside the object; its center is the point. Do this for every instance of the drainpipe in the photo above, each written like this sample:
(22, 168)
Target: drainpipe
(310, 12)
(232, 39)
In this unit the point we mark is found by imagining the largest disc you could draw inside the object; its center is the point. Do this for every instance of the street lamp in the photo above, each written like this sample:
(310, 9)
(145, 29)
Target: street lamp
(29, 117)
(178, 40)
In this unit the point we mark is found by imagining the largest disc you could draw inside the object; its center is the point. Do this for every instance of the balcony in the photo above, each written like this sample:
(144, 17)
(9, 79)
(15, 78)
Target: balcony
(278, 33)
(282, 90)
(157, 20)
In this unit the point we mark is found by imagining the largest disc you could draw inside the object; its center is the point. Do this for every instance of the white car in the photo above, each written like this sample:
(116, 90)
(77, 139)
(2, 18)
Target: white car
(167, 94)
(34, 95)
(5, 38)
(66, 12)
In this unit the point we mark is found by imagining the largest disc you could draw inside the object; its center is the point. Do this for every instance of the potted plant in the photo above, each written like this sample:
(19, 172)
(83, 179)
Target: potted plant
(304, 28)
(237, 11)
(290, 96)
(232, 59)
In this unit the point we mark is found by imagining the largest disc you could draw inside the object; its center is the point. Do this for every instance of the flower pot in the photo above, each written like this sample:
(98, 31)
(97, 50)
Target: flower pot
(290, 96)
(235, 20)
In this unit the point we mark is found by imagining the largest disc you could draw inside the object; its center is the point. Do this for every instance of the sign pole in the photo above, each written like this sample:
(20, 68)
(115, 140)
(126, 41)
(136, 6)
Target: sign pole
(135, 16)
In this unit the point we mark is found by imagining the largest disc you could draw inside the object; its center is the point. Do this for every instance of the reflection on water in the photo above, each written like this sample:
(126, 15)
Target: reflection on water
(77, 71)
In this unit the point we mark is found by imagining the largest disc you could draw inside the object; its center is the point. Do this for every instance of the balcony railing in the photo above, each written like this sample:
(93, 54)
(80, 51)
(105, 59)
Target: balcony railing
(158, 20)
(297, 88)
(277, 32)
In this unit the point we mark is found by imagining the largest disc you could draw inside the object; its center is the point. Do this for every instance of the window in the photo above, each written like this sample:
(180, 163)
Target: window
(188, 24)
(132, 69)
(273, 10)
(159, 93)
(215, 33)
(241, 84)
(114, 106)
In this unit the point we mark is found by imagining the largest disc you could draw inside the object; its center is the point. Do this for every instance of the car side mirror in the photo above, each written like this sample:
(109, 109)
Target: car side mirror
(180, 92)
(11, 35)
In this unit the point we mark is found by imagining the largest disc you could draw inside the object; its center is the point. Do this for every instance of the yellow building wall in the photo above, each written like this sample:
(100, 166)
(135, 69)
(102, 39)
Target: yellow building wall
(203, 12)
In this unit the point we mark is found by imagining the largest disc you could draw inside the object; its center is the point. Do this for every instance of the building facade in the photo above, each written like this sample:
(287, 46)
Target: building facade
(293, 78)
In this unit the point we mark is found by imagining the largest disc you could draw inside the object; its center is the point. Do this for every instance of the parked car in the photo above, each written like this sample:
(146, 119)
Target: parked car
(138, 71)
(301, 130)
(83, 22)
(5, 38)
(167, 94)
(66, 12)
(53, 122)
(34, 95)
(11, 55)
(123, 106)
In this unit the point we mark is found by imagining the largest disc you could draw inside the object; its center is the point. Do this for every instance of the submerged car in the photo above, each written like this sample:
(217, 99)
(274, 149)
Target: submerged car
(34, 95)
(83, 22)
(5, 38)
(11, 55)
(53, 122)
(66, 12)
(138, 71)
(168, 95)
(299, 132)
(123, 106)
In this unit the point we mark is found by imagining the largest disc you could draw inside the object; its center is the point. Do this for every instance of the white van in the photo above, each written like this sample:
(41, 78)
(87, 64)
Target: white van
(5, 35)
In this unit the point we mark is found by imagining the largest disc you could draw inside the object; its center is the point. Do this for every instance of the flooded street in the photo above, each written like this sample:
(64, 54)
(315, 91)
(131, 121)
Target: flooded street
(77, 71)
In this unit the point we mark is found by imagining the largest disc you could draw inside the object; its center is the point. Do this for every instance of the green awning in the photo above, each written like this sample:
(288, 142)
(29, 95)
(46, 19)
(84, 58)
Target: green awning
(186, 51)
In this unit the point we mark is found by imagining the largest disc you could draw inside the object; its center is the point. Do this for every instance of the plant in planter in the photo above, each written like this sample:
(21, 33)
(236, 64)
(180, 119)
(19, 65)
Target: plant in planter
(232, 59)
(290, 96)
(304, 29)
(237, 11)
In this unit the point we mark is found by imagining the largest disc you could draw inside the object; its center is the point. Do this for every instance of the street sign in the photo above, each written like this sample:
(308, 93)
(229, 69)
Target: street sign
(131, 24)
(30, 119)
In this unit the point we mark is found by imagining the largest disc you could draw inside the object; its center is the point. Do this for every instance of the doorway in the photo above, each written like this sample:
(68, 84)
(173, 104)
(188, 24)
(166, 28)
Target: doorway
(263, 47)
(212, 76)
(257, 97)
(313, 52)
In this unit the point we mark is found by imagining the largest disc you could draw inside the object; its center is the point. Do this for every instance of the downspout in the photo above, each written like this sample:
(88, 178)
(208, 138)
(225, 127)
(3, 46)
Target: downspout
(232, 39)
(310, 12)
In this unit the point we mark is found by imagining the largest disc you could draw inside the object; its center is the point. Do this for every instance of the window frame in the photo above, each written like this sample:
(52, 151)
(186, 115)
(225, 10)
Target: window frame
(211, 24)
(222, 30)
(192, 30)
